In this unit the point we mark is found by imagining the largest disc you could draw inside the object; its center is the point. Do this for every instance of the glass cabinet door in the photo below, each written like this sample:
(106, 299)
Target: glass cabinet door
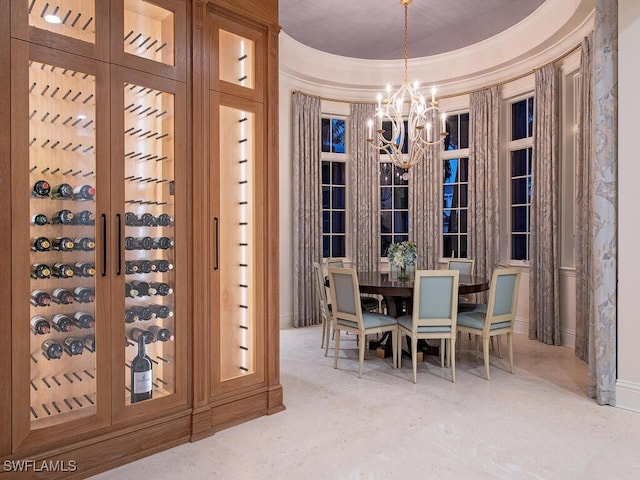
(69, 18)
(62, 213)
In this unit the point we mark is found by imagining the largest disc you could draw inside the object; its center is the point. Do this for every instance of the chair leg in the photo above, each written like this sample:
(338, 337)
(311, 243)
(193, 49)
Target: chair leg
(329, 329)
(452, 357)
(361, 355)
(399, 349)
(442, 349)
(336, 346)
(485, 348)
(414, 358)
(510, 345)
(394, 347)
(477, 346)
(499, 346)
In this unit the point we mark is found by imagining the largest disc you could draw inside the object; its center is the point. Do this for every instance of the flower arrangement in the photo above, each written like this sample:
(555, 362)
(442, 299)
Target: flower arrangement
(402, 254)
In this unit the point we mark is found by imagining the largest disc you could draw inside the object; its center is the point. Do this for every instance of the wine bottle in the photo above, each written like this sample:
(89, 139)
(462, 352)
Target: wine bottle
(85, 244)
(73, 346)
(40, 298)
(147, 220)
(62, 322)
(62, 217)
(130, 267)
(63, 191)
(90, 343)
(83, 320)
(163, 289)
(163, 265)
(164, 220)
(84, 295)
(136, 332)
(40, 244)
(143, 288)
(143, 313)
(84, 269)
(161, 334)
(39, 219)
(40, 325)
(41, 189)
(142, 243)
(131, 219)
(130, 316)
(141, 374)
(63, 244)
(84, 192)
(163, 243)
(129, 291)
(145, 266)
(85, 217)
(62, 270)
(40, 270)
(161, 311)
(62, 296)
(51, 349)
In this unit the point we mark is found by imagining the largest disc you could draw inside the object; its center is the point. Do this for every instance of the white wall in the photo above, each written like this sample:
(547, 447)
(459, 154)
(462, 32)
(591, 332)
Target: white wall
(628, 382)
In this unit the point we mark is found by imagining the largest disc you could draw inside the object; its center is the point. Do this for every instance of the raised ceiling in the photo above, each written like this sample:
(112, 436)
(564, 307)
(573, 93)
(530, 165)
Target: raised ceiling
(373, 29)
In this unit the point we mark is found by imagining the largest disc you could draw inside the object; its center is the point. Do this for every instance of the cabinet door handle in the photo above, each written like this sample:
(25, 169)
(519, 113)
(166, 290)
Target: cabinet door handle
(104, 245)
(119, 269)
(216, 222)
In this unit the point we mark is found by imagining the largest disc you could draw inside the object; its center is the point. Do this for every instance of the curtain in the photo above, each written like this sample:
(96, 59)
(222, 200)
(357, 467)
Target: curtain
(544, 291)
(425, 208)
(604, 214)
(484, 198)
(307, 206)
(364, 192)
(583, 207)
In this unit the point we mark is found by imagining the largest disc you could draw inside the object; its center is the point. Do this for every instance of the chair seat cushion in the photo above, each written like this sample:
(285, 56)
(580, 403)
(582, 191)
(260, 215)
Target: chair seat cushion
(476, 320)
(369, 303)
(371, 320)
(406, 321)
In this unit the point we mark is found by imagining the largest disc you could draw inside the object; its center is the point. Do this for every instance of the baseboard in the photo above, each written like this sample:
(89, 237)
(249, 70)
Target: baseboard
(286, 320)
(628, 395)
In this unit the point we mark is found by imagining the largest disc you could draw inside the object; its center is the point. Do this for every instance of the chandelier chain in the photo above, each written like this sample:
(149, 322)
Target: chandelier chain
(406, 44)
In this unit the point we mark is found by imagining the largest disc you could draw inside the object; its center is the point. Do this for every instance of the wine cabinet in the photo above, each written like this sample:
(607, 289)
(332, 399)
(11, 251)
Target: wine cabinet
(140, 248)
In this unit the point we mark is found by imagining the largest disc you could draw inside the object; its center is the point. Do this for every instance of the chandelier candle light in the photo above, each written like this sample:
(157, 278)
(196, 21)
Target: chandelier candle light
(422, 122)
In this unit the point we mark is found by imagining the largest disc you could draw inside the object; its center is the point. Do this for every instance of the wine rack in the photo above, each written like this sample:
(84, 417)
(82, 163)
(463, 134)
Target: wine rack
(70, 18)
(149, 233)
(62, 163)
(237, 59)
(149, 31)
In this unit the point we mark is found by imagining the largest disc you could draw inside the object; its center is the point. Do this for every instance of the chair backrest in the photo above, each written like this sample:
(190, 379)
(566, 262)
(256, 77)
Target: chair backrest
(435, 299)
(465, 266)
(335, 262)
(322, 291)
(503, 297)
(345, 295)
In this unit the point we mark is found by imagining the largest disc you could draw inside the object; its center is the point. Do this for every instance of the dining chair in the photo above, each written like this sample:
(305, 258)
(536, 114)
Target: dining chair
(325, 308)
(466, 266)
(435, 300)
(369, 303)
(497, 316)
(349, 315)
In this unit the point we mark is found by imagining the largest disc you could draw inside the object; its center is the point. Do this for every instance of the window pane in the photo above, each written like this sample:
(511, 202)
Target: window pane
(530, 117)
(338, 134)
(398, 174)
(401, 198)
(463, 195)
(463, 173)
(519, 163)
(451, 141)
(446, 221)
(519, 120)
(338, 243)
(326, 173)
(463, 220)
(519, 219)
(386, 174)
(326, 134)
(519, 191)
(385, 241)
(449, 245)
(338, 222)
(447, 196)
(450, 170)
(519, 247)
(326, 242)
(326, 222)
(337, 170)
(463, 246)
(400, 238)
(326, 198)
(386, 222)
(464, 130)
(401, 222)
(386, 198)
(338, 197)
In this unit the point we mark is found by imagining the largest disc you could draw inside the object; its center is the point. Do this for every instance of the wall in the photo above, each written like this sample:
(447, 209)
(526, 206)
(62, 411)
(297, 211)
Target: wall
(628, 382)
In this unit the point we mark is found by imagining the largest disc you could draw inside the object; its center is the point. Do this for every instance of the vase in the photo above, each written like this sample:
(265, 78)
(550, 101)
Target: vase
(403, 273)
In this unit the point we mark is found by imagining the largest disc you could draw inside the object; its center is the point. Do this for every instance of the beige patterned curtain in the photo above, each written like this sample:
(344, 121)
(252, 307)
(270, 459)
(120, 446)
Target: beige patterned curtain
(364, 191)
(484, 184)
(544, 287)
(307, 206)
(604, 213)
(425, 208)
(583, 208)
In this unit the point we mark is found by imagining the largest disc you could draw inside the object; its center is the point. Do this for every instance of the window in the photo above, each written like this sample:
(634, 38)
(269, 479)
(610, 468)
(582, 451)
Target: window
(394, 205)
(334, 185)
(455, 186)
(521, 176)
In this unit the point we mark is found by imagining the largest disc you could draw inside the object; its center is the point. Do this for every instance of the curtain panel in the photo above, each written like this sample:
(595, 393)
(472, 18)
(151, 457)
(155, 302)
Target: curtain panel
(307, 207)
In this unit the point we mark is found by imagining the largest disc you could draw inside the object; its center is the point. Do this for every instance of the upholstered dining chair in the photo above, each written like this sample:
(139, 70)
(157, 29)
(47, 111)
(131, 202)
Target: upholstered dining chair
(369, 303)
(497, 316)
(349, 315)
(466, 266)
(325, 308)
(435, 301)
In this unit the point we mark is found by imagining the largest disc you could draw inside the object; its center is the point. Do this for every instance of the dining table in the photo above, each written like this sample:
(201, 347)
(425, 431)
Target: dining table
(398, 296)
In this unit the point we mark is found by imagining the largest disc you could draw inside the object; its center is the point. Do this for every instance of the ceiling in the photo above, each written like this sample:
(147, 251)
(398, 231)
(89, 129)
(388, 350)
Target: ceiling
(373, 29)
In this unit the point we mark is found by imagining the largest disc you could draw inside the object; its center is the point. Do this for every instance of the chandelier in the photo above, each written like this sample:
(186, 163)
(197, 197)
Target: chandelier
(426, 126)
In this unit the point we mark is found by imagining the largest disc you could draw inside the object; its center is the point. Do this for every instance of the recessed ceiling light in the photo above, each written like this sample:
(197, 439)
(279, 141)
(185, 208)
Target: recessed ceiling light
(52, 19)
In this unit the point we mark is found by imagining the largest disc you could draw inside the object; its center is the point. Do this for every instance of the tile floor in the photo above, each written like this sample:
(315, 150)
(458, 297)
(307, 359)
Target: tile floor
(536, 424)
